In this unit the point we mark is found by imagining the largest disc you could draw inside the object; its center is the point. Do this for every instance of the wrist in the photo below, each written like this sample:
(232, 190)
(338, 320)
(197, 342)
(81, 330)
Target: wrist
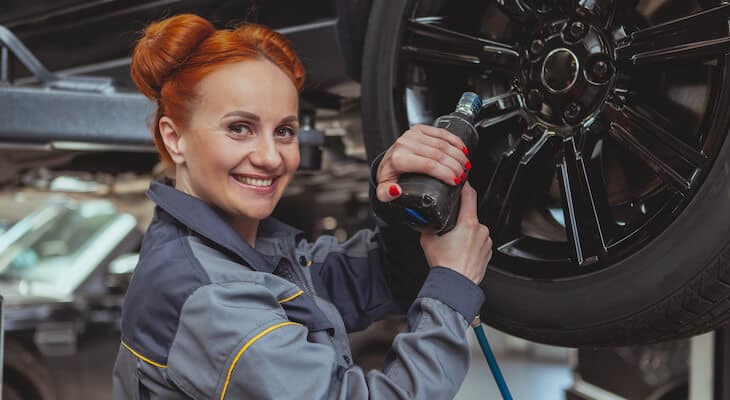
(455, 290)
(472, 276)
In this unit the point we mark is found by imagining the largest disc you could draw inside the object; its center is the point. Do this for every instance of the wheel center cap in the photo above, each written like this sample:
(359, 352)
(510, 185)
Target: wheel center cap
(560, 70)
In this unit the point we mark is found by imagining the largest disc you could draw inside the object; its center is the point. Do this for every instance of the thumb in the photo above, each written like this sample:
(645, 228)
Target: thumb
(388, 190)
(468, 209)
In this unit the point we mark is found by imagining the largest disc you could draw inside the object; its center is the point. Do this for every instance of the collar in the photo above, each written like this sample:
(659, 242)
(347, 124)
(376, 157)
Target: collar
(206, 221)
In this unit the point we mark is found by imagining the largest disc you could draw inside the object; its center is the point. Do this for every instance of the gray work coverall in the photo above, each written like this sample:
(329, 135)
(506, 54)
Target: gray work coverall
(208, 317)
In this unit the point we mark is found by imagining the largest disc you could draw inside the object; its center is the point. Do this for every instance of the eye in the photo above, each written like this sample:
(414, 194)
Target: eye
(240, 129)
(286, 131)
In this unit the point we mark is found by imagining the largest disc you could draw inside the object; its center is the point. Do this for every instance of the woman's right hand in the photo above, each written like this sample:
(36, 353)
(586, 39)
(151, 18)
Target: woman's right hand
(467, 248)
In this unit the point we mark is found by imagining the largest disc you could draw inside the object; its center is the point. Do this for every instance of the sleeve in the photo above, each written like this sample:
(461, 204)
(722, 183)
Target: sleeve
(359, 275)
(234, 342)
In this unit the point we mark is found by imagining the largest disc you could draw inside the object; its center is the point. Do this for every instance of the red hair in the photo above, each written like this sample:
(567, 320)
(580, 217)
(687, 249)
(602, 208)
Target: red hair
(176, 53)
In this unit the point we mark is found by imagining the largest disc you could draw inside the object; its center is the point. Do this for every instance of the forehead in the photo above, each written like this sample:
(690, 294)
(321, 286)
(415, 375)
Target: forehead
(257, 86)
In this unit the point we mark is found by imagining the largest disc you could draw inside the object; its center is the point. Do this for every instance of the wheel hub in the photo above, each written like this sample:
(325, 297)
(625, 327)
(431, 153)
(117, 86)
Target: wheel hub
(568, 75)
(559, 70)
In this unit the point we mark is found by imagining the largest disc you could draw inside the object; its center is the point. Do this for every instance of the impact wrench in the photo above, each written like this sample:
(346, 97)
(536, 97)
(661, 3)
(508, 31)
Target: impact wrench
(429, 205)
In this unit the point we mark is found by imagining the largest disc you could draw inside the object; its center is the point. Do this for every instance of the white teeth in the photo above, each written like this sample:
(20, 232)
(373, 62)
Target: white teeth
(254, 182)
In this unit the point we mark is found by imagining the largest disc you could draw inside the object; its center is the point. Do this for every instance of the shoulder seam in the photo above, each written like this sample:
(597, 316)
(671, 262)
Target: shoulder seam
(193, 260)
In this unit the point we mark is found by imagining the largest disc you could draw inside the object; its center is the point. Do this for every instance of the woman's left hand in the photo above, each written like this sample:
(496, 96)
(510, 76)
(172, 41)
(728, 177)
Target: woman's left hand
(426, 150)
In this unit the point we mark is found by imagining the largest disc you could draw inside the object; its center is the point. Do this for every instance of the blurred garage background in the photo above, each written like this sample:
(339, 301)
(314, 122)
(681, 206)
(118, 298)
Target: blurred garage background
(76, 158)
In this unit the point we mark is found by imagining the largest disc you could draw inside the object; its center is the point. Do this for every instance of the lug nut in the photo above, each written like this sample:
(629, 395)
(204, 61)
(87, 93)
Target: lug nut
(572, 112)
(536, 47)
(577, 30)
(534, 99)
(600, 71)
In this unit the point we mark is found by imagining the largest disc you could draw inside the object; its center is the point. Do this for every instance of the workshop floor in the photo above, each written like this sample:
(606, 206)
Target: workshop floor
(532, 371)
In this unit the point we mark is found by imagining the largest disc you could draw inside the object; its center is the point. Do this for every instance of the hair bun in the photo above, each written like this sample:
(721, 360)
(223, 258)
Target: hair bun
(164, 47)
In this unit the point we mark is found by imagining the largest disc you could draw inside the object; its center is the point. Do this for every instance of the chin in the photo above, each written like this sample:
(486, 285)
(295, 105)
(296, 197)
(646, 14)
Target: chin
(255, 213)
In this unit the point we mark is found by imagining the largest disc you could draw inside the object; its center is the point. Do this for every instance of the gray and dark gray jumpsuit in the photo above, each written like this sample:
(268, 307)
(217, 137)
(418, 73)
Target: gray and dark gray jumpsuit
(209, 317)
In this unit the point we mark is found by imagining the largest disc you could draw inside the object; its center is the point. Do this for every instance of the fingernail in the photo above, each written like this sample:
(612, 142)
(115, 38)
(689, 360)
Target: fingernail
(457, 180)
(463, 176)
(467, 165)
(465, 150)
(393, 190)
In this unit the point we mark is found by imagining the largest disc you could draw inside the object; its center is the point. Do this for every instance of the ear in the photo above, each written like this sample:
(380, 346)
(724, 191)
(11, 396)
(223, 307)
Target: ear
(172, 139)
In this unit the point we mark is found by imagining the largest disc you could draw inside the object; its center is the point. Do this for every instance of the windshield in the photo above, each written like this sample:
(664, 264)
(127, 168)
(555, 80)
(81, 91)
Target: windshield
(46, 244)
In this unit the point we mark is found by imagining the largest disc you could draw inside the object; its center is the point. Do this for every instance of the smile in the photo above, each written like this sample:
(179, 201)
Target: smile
(253, 181)
(259, 183)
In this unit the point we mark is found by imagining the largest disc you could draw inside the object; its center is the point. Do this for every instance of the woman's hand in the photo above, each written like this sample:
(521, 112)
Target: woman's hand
(437, 152)
(467, 248)
(426, 150)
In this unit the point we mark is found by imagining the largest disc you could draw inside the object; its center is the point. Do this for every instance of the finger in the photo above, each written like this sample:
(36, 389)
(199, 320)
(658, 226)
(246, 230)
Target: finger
(411, 162)
(437, 155)
(441, 146)
(443, 134)
(468, 209)
(388, 191)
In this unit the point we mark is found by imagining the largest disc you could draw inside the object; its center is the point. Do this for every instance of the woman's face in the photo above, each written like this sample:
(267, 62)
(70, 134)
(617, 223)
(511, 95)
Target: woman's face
(240, 147)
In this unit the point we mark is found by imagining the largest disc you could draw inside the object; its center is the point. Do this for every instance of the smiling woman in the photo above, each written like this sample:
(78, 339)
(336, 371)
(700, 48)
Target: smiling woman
(231, 142)
(228, 302)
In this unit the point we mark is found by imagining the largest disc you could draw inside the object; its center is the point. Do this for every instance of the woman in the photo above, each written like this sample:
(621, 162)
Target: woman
(229, 303)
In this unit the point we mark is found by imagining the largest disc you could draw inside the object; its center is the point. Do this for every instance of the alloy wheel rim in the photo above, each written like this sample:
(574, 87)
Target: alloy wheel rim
(566, 132)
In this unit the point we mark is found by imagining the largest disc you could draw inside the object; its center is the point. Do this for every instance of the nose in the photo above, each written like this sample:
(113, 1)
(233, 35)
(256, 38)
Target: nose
(266, 155)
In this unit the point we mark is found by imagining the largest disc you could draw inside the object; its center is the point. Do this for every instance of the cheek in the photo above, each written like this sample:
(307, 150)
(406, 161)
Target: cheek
(215, 156)
(292, 158)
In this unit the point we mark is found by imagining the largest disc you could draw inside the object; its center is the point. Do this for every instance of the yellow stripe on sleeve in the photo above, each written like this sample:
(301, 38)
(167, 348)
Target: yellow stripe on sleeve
(247, 345)
(292, 297)
(143, 358)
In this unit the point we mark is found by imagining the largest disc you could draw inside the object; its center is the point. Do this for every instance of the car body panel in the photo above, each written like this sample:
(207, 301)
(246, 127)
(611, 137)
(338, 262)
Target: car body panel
(64, 324)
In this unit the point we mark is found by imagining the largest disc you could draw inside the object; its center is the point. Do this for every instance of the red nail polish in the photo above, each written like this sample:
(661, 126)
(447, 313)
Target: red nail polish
(467, 165)
(463, 176)
(465, 150)
(393, 190)
(457, 180)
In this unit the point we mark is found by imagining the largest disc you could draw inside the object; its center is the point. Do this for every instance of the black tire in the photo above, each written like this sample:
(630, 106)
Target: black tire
(676, 285)
(24, 375)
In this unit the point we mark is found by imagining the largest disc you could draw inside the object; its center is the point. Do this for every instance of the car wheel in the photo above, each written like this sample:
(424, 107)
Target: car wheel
(24, 376)
(602, 169)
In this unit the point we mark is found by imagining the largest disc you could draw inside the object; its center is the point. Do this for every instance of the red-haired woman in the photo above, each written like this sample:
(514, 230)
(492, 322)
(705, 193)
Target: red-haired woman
(227, 302)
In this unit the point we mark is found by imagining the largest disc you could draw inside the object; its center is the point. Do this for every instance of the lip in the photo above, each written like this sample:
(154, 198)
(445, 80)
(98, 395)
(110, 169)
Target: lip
(256, 189)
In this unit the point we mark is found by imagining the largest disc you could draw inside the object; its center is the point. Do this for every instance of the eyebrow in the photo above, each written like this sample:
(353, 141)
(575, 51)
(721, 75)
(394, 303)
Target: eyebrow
(252, 116)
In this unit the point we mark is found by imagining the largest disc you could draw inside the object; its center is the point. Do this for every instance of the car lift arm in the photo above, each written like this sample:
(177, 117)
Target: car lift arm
(54, 114)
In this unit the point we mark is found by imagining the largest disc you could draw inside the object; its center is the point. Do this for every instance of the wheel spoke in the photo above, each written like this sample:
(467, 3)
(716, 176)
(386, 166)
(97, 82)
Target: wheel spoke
(676, 162)
(435, 44)
(582, 221)
(440, 57)
(500, 108)
(518, 10)
(509, 190)
(598, 11)
(700, 35)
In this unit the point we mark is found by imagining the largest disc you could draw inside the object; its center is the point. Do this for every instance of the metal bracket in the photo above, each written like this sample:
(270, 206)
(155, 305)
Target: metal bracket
(67, 113)
(48, 79)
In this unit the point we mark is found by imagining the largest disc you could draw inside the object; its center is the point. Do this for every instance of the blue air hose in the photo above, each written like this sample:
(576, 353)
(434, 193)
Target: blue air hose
(491, 360)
